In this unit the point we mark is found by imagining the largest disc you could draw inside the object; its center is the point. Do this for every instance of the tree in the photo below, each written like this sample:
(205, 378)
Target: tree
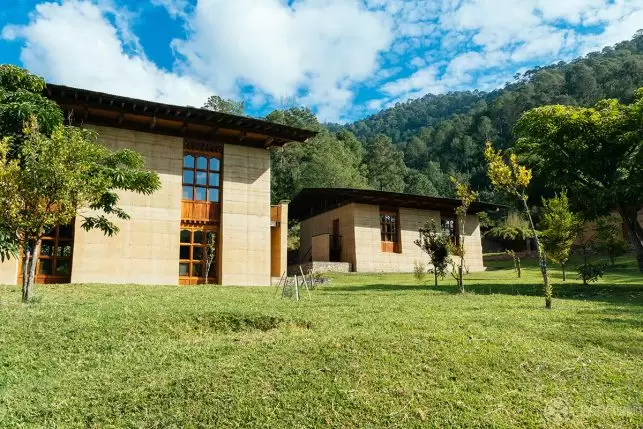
(210, 252)
(609, 237)
(513, 227)
(596, 153)
(49, 173)
(466, 197)
(218, 104)
(513, 179)
(560, 228)
(327, 160)
(385, 163)
(435, 244)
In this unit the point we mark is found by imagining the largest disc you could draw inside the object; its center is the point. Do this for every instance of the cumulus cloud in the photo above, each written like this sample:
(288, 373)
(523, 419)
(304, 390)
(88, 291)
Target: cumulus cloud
(483, 42)
(315, 48)
(75, 43)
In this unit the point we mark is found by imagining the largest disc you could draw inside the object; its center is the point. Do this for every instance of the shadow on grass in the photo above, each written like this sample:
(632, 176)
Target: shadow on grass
(621, 294)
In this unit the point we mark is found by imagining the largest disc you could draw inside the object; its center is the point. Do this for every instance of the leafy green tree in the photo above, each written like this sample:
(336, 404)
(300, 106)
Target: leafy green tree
(435, 244)
(21, 99)
(513, 227)
(445, 130)
(218, 104)
(50, 173)
(419, 184)
(596, 153)
(609, 237)
(386, 167)
(328, 160)
(466, 197)
(559, 227)
(510, 177)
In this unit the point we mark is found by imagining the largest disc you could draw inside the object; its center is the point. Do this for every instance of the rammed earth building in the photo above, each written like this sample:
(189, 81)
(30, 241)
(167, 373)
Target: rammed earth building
(215, 176)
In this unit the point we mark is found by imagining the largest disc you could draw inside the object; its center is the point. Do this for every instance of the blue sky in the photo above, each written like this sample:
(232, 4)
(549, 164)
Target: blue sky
(343, 58)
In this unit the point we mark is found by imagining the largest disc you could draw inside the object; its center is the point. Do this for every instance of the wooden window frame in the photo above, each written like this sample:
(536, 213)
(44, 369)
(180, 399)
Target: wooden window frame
(452, 231)
(57, 242)
(209, 156)
(390, 240)
(191, 262)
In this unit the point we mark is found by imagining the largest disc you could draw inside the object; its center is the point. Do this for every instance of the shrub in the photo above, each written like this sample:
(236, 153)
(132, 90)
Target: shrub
(419, 270)
(590, 273)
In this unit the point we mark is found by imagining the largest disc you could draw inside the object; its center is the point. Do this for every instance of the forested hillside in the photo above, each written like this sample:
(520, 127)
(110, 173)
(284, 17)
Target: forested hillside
(414, 146)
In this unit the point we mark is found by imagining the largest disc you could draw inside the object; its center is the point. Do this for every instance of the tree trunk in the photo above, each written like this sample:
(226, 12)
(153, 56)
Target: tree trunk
(547, 290)
(460, 279)
(519, 270)
(26, 267)
(564, 272)
(435, 275)
(634, 232)
(35, 252)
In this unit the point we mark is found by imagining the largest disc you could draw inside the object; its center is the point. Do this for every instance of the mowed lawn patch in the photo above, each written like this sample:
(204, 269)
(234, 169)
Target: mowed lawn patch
(366, 351)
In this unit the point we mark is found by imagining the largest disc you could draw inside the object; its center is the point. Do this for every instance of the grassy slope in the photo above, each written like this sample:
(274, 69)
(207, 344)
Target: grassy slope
(367, 351)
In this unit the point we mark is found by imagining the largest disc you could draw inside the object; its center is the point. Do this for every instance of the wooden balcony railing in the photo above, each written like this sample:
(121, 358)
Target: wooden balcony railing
(200, 211)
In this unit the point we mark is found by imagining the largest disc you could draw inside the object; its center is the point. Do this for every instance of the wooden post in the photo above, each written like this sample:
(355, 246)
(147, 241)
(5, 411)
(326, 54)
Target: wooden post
(303, 276)
(279, 284)
(296, 287)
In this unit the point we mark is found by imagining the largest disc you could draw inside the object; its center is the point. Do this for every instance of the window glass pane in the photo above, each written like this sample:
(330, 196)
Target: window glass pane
(213, 269)
(201, 178)
(202, 163)
(51, 232)
(199, 195)
(198, 236)
(47, 248)
(64, 249)
(188, 161)
(185, 236)
(65, 231)
(188, 193)
(215, 164)
(188, 177)
(184, 252)
(214, 179)
(214, 195)
(184, 269)
(62, 266)
(46, 266)
(197, 270)
(197, 253)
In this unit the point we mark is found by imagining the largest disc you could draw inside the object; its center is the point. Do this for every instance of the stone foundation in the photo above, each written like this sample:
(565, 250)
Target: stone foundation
(324, 267)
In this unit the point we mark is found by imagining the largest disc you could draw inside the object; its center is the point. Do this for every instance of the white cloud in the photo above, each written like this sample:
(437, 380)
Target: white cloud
(175, 8)
(485, 41)
(75, 44)
(316, 47)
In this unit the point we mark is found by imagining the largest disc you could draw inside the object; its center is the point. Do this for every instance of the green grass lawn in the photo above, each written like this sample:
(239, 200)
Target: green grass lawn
(366, 351)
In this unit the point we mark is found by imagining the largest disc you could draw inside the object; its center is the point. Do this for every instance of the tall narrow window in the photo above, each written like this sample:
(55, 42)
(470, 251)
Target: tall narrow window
(201, 177)
(449, 228)
(389, 231)
(193, 253)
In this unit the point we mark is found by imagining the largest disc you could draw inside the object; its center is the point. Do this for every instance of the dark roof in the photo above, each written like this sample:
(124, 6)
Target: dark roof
(99, 108)
(313, 201)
